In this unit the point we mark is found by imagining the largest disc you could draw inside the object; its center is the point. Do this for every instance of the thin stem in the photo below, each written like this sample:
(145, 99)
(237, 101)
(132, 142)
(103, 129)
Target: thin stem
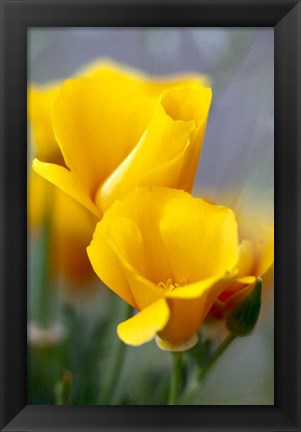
(115, 369)
(194, 389)
(216, 355)
(176, 378)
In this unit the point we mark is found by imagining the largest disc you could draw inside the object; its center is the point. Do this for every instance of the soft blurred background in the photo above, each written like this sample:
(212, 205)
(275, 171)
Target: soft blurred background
(236, 168)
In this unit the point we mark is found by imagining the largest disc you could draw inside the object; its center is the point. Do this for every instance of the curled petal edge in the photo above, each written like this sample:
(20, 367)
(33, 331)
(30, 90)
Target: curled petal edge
(143, 326)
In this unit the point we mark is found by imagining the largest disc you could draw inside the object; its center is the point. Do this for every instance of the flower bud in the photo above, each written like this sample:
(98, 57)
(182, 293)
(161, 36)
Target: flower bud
(243, 317)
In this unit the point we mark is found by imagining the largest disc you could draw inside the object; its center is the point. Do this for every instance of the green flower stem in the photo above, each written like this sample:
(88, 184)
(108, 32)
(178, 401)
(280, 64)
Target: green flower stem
(176, 378)
(114, 372)
(196, 385)
(216, 355)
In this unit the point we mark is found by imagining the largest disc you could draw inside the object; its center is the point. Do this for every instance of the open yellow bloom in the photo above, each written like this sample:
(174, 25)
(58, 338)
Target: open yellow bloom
(118, 129)
(170, 256)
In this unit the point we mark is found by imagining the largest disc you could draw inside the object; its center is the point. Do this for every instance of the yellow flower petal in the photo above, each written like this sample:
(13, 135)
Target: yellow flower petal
(265, 259)
(38, 193)
(261, 234)
(106, 261)
(106, 67)
(72, 229)
(144, 208)
(201, 288)
(40, 100)
(168, 152)
(69, 184)
(97, 122)
(117, 256)
(208, 249)
(145, 325)
(245, 268)
(246, 258)
(144, 291)
(189, 306)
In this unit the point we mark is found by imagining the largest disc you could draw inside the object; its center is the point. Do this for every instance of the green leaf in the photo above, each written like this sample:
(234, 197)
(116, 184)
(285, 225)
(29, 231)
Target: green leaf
(242, 319)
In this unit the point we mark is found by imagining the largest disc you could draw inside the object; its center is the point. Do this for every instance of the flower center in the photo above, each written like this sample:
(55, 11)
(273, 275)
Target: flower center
(170, 285)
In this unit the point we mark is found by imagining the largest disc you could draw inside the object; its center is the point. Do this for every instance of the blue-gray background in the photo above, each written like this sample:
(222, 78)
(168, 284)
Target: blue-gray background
(238, 152)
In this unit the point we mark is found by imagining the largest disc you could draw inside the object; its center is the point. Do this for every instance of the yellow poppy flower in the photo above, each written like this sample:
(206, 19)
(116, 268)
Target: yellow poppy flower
(170, 256)
(118, 129)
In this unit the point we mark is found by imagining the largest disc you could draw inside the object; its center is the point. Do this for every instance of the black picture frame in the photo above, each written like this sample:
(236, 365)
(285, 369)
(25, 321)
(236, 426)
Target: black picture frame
(16, 17)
